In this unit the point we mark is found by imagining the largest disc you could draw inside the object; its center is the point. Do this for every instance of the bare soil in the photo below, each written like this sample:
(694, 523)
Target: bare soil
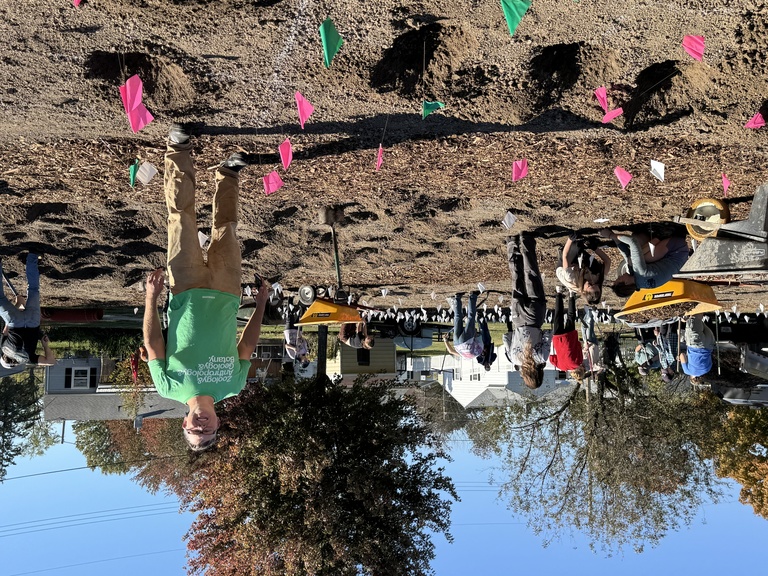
(429, 220)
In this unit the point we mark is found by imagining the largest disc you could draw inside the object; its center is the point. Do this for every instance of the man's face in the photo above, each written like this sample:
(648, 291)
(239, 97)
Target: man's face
(200, 426)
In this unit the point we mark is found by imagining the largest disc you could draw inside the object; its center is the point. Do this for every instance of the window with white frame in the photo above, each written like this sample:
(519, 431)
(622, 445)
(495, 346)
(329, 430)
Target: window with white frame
(81, 377)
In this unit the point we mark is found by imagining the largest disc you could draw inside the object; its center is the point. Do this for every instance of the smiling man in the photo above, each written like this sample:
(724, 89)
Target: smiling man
(201, 363)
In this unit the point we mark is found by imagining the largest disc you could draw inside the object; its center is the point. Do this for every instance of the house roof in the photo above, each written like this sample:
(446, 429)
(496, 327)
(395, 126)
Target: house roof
(106, 407)
(496, 397)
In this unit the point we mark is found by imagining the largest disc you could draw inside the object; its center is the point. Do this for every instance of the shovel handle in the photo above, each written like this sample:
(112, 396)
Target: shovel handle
(10, 286)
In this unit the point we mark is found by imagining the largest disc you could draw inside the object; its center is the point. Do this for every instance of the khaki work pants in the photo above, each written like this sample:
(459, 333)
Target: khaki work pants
(186, 267)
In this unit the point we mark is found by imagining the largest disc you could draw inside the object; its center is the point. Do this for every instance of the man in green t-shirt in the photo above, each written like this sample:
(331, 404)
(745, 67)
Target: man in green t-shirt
(200, 364)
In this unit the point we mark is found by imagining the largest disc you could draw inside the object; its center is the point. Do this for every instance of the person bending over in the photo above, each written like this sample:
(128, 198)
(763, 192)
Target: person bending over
(21, 333)
(525, 343)
(646, 267)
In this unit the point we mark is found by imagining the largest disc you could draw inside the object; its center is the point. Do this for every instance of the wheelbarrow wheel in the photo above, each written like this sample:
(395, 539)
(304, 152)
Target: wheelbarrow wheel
(707, 210)
(307, 295)
(409, 326)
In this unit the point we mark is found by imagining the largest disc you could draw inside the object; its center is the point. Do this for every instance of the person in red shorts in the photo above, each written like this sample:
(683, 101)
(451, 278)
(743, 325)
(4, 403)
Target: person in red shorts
(566, 348)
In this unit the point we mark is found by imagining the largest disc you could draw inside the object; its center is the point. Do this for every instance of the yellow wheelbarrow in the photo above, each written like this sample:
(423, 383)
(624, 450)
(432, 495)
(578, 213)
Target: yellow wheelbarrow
(671, 293)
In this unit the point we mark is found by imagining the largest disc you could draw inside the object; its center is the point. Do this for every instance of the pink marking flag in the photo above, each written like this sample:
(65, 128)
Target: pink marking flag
(519, 169)
(602, 98)
(379, 158)
(623, 176)
(76, 3)
(726, 185)
(139, 117)
(694, 45)
(286, 153)
(131, 93)
(305, 108)
(612, 114)
(272, 183)
(757, 121)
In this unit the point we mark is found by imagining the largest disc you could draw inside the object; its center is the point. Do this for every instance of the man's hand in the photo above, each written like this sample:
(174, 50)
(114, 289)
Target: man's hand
(249, 339)
(262, 293)
(155, 284)
(49, 358)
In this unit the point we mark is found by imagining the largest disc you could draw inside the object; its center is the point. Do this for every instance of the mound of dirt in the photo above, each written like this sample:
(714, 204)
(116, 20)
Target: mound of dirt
(559, 69)
(167, 86)
(435, 51)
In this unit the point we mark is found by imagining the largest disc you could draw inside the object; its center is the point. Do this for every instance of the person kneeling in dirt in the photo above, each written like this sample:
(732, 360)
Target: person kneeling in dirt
(581, 272)
(355, 335)
(566, 348)
(526, 344)
(649, 262)
(201, 363)
(22, 325)
(696, 361)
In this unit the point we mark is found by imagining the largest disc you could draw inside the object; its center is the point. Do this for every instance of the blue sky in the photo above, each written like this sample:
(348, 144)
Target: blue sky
(488, 540)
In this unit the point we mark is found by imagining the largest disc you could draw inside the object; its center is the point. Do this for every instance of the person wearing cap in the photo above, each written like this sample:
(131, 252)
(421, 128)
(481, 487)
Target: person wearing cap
(201, 363)
(22, 333)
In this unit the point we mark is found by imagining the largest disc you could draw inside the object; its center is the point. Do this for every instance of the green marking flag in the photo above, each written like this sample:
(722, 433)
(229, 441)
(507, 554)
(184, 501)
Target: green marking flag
(331, 41)
(133, 169)
(513, 12)
(428, 107)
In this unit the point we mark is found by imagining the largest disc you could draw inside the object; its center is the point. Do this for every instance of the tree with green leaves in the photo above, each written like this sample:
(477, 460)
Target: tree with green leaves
(312, 478)
(20, 410)
(94, 440)
(621, 464)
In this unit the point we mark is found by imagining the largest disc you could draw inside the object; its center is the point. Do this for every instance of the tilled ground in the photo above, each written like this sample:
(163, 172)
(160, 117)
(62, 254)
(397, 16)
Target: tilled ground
(429, 220)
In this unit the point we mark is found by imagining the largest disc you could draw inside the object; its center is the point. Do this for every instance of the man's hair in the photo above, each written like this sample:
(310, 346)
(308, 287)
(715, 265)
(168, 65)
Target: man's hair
(623, 290)
(202, 446)
(532, 373)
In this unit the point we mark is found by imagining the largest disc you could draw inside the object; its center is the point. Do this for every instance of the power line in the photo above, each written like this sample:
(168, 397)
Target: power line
(87, 514)
(92, 466)
(97, 562)
(85, 523)
(92, 520)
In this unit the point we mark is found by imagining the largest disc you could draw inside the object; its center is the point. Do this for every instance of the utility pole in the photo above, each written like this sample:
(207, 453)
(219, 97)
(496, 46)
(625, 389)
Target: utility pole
(322, 349)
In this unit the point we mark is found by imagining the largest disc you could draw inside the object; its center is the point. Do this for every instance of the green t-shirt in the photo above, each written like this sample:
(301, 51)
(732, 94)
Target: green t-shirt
(201, 356)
